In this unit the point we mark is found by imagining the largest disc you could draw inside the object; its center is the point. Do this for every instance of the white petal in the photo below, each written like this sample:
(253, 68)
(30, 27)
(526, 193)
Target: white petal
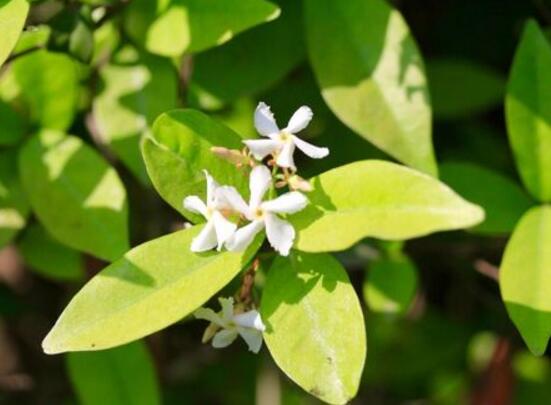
(224, 228)
(230, 197)
(287, 203)
(194, 204)
(243, 237)
(224, 338)
(252, 337)
(281, 234)
(315, 152)
(285, 156)
(250, 319)
(300, 120)
(260, 148)
(259, 182)
(264, 120)
(206, 240)
(227, 308)
(209, 315)
(212, 185)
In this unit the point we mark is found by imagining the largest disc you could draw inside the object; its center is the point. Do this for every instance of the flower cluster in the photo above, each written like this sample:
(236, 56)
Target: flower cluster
(224, 203)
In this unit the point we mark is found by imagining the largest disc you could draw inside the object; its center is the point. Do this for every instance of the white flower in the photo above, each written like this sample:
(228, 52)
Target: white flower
(262, 214)
(218, 229)
(246, 324)
(282, 143)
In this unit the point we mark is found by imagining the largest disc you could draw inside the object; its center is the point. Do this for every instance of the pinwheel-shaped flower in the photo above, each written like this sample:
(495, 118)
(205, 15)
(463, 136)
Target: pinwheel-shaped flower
(218, 228)
(282, 142)
(248, 325)
(263, 214)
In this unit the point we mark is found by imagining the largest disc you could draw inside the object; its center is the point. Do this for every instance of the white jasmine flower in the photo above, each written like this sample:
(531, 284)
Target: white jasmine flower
(282, 142)
(263, 214)
(218, 229)
(248, 325)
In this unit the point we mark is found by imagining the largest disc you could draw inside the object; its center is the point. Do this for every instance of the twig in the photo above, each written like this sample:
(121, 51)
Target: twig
(488, 269)
(245, 293)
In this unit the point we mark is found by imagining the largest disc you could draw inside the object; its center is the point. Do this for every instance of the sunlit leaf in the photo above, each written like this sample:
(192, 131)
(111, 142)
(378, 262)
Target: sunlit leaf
(12, 18)
(372, 76)
(179, 151)
(528, 111)
(378, 199)
(75, 194)
(124, 375)
(154, 285)
(172, 27)
(524, 278)
(315, 326)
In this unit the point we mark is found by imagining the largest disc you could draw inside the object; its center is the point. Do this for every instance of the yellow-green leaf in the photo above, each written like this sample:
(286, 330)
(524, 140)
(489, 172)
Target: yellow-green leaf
(12, 18)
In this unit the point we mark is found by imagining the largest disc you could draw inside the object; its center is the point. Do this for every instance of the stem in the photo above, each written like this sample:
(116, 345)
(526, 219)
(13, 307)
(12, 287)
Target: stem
(245, 292)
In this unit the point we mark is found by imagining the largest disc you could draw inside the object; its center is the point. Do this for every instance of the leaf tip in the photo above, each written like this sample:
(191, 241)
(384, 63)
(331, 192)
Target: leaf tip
(49, 345)
(275, 14)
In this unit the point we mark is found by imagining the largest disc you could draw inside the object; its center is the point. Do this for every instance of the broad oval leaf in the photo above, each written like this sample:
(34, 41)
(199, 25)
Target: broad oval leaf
(502, 199)
(172, 27)
(13, 14)
(14, 207)
(524, 278)
(180, 149)
(528, 111)
(372, 76)
(378, 199)
(154, 285)
(315, 325)
(123, 375)
(75, 194)
(136, 89)
(13, 126)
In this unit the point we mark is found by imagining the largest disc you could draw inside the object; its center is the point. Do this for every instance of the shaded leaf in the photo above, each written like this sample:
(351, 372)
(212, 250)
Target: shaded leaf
(372, 75)
(124, 375)
(528, 111)
(524, 278)
(12, 18)
(12, 128)
(75, 194)
(154, 285)
(315, 326)
(378, 199)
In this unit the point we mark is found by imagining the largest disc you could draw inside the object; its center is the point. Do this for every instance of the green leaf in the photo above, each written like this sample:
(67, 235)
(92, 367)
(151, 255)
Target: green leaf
(47, 84)
(372, 76)
(33, 37)
(390, 285)
(172, 27)
(315, 326)
(13, 14)
(48, 258)
(121, 376)
(502, 199)
(14, 207)
(12, 128)
(179, 151)
(528, 111)
(75, 194)
(81, 41)
(154, 285)
(461, 88)
(524, 278)
(378, 199)
(136, 88)
(239, 67)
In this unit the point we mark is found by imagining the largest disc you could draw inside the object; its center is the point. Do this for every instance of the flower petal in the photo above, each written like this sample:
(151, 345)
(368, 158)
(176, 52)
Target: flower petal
(259, 182)
(285, 156)
(209, 315)
(194, 204)
(250, 319)
(264, 120)
(287, 203)
(224, 338)
(227, 308)
(252, 337)
(243, 237)
(315, 152)
(223, 227)
(260, 148)
(206, 240)
(281, 234)
(230, 197)
(212, 185)
(300, 120)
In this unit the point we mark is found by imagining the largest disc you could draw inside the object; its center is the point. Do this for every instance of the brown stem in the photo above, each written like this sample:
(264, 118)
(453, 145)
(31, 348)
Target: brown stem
(245, 293)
